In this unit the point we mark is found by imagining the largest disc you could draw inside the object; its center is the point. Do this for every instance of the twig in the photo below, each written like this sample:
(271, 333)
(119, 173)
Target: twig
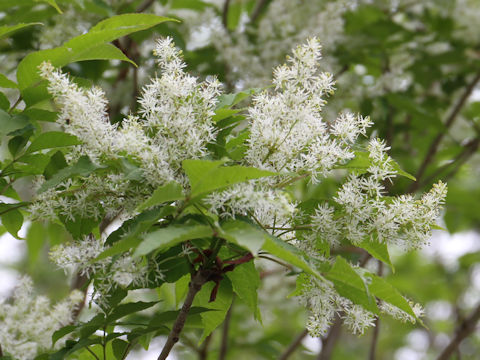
(15, 105)
(288, 266)
(144, 6)
(226, 5)
(258, 10)
(469, 149)
(328, 343)
(1, 351)
(226, 327)
(196, 283)
(293, 346)
(465, 329)
(376, 330)
(203, 351)
(436, 142)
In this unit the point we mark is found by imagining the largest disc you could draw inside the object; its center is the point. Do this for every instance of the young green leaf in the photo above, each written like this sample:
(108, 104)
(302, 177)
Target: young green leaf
(212, 319)
(83, 167)
(52, 139)
(386, 292)
(168, 192)
(206, 176)
(378, 250)
(350, 285)
(245, 282)
(168, 237)
(9, 30)
(288, 253)
(86, 46)
(244, 234)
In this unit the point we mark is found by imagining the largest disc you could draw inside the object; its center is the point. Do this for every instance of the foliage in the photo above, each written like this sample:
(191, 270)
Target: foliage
(205, 190)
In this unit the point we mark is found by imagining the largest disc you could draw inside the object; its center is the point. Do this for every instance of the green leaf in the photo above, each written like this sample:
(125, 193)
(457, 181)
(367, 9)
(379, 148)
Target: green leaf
(57, 335)
(227, 100)
(33, 164)
(11, 123)
(35, 241)
(350, 285)
(168, 192)
(168, 237)
(128, 235)
(212, 319)
(386, 292)
(8, 30)
(53, 4)
(7, 83)
(223, 113)
(288, 253)
(4, 103)
(103, 52)
(13, 221)
(378, 250)
(16, 144)
(127, 309)
(206, 176)
(361, 162)
(244, 234)
(83, 167)
(52, 139)
(87, 46)
(245, 282)
(181, 288)
(119, 346)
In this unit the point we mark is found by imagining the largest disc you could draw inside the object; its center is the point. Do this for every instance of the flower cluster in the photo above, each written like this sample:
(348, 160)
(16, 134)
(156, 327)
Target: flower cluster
(30, 320)
(110, 273)
(287, 131)
(361, 212)
(174, 123)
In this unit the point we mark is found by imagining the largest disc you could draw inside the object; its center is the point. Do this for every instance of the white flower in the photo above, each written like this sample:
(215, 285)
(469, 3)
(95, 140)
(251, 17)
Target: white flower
(29, 322)
(357, 319)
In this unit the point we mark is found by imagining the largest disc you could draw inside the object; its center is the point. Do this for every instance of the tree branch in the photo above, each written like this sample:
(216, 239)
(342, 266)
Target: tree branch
(469, 149)
(258, 10)
(144, 6)
(376, 329)
(328, 343)
(448, 123)
(293, 346)
(465, 329)
(226, 327)
(226, 6)
(196, 283)
(203, 351)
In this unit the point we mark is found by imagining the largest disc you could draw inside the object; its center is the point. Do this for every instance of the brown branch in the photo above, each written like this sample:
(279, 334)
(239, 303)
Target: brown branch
(144, 6)
(258, 10)
(226, 6)
(328, 343)
(465, 329)
(376, 329)
(1, 351)
(203, 351)
(226, 327)
(293, 346)
(196, 283)
(448, 123)
(469, 150)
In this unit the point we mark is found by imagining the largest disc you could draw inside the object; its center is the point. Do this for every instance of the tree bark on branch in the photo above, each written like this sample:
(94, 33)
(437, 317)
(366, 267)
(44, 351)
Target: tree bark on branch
(196, 283)
(465, 329)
